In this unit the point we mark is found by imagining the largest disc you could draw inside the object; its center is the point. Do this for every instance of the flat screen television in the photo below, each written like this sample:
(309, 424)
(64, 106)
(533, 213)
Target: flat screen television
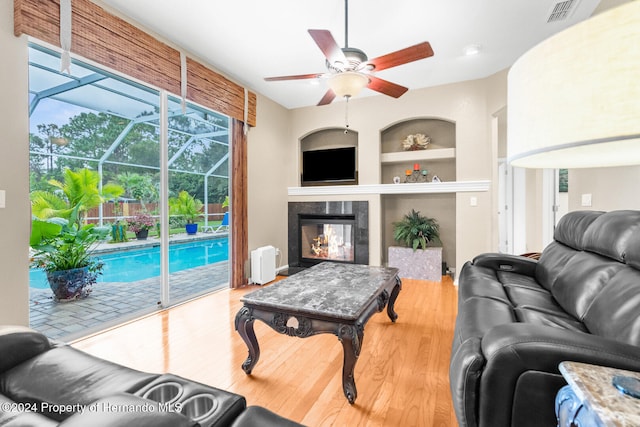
(329, 167)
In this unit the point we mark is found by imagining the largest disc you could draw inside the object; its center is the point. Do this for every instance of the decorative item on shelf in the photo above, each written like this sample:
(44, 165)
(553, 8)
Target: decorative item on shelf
(416, 175)
(396, 180)
(419, 141)
(435, 179)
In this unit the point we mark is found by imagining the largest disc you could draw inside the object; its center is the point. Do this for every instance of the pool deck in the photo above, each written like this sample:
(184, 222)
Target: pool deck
(115, 302)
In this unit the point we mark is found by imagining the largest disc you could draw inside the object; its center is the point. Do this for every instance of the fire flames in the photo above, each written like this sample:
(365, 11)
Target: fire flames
(330, 245)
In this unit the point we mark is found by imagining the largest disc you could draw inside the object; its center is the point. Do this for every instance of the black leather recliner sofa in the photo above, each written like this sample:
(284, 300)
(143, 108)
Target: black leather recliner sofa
(518, 318)
(46, 384)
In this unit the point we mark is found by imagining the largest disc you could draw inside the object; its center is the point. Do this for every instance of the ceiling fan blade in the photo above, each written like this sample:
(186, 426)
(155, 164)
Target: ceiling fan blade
(327, 98)
(296, 77)
(386, 87)
(328, 46)
(402, 56)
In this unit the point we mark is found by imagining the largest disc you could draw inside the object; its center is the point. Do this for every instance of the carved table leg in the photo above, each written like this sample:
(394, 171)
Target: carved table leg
(244, 326)
(392, 300)
(351, 337)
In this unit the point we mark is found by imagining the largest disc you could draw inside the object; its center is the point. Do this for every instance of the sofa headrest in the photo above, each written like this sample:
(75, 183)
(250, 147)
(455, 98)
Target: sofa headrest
(19, 343)
(611, 234)
(572, 227)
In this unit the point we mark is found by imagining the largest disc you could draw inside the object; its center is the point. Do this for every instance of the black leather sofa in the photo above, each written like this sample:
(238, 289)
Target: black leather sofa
(518, 318)
(44, 383)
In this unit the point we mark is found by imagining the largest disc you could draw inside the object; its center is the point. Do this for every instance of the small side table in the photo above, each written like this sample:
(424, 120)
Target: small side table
(590, 399)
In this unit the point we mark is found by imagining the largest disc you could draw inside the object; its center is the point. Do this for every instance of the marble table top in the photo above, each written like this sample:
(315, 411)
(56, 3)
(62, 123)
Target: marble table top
(592, 385)
(331, 289)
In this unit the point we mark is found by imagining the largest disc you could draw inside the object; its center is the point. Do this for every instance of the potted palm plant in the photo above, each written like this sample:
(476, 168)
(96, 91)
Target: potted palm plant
(63, 249)
(420, 257)
(187, 207)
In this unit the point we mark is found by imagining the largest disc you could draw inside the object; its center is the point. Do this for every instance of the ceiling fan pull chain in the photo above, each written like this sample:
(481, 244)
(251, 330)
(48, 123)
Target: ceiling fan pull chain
(346, 114)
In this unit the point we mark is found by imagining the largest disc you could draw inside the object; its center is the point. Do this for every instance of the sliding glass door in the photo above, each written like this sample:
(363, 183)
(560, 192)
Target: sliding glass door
(154, 169)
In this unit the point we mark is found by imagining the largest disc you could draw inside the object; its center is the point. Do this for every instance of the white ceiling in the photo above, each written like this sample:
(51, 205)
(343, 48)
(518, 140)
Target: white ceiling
(248, 40)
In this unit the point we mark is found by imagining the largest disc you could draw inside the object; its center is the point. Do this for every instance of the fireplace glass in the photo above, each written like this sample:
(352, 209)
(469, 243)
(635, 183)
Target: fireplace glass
(327, 239)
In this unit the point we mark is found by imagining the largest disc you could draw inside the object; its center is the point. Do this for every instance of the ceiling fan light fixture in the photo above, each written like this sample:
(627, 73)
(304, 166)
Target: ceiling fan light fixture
(348, 84)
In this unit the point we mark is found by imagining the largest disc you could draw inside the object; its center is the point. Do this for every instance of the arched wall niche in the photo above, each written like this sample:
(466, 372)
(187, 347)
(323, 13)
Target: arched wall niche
(328, 138)
(439, 159)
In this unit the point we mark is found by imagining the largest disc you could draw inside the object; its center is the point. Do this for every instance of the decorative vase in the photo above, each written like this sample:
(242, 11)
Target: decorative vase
(142, 234)
(68, 285)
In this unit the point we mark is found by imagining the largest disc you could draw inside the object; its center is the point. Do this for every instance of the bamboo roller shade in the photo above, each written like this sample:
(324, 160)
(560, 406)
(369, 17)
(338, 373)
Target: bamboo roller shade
(108, 40)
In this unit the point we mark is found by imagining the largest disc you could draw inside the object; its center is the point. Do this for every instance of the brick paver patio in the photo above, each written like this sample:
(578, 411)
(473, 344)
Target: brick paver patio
(111, 303)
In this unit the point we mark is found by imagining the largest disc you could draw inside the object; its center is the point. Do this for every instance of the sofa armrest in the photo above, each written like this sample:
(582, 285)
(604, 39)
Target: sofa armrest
(515, 351)
(505, 262)
(520, 346)
(18, 344)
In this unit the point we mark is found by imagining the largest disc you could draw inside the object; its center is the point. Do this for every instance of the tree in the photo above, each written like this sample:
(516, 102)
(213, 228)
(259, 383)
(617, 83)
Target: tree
(139, 187)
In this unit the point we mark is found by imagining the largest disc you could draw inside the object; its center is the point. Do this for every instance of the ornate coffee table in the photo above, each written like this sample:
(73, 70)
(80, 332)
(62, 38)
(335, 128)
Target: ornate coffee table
(328, 298)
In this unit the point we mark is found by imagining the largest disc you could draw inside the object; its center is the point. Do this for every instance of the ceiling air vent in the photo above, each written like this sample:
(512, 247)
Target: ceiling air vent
(562, 10)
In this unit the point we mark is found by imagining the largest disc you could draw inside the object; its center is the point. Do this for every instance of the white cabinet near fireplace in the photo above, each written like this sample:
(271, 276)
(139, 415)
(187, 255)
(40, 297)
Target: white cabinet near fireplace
(422, 264)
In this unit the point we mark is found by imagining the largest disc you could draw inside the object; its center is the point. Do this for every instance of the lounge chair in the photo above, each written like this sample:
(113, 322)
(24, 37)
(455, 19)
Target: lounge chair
(224, 225)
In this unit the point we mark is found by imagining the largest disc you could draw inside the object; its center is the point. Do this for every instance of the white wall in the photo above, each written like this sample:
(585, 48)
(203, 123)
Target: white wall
(610, 188)
(268, 161)
(14, 173)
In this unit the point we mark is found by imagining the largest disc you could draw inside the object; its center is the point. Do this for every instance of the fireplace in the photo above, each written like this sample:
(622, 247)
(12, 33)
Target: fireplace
(326, 238)
(328, 231)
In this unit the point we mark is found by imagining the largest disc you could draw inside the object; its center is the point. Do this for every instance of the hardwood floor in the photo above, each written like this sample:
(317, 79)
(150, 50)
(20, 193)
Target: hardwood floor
(401, 375)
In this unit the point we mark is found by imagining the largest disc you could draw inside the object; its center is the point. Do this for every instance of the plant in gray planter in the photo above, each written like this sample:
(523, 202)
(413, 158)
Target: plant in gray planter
(421, 255)
(63, 250)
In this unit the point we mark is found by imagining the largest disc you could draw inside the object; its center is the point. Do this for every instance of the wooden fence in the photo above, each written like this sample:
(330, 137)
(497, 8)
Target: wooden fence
(120, 210)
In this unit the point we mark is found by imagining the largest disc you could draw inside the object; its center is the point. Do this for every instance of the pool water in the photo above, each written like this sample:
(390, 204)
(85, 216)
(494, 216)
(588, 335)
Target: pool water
(139, 264)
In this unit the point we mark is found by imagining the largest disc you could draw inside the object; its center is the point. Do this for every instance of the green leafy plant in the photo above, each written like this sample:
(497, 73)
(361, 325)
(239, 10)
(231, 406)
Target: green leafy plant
(61, 244)
(416, 231)
(185, 206)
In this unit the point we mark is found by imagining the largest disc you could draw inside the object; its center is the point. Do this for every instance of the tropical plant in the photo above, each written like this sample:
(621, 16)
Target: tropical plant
(80, 189)
(415, 230)
(141, 221)
(61, 244)
(185, 206)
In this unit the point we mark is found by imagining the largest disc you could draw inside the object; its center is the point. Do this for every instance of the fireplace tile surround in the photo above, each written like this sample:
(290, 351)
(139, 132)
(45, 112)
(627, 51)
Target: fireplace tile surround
(358, 209)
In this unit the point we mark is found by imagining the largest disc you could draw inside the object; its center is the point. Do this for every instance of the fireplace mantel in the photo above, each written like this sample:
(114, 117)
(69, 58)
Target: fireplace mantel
(414, 188)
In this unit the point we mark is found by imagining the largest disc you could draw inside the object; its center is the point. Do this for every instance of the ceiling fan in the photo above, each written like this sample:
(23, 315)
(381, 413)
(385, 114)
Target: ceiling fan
(350, 70)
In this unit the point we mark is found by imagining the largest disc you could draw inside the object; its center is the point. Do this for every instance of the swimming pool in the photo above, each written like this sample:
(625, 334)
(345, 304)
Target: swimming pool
(139, 264)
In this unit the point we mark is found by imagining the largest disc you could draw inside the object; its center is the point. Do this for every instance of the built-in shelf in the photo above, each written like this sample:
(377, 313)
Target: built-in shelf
(417, 188)
(416, 156)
